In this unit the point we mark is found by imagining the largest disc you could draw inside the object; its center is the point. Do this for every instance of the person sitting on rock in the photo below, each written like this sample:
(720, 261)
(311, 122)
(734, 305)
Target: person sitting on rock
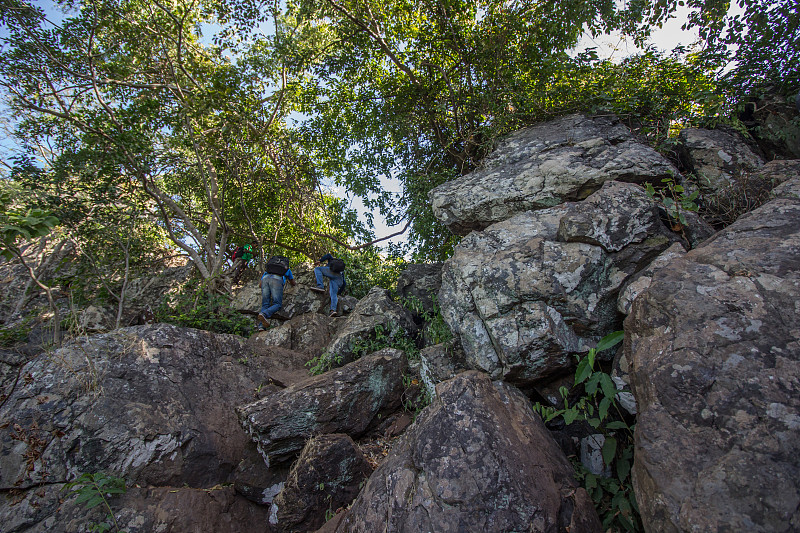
(272, 281)
(334, 271)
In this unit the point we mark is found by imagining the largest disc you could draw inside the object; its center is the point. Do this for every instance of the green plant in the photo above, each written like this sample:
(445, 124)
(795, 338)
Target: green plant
(193, 306)
(322, 363)
(15, 335)
(597, 406)
(96, 489)
(676, 202)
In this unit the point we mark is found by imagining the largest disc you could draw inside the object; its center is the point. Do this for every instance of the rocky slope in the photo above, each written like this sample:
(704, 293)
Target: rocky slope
(217, 432)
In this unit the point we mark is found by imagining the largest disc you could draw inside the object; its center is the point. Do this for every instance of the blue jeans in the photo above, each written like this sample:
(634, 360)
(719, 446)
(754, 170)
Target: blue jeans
(271, 294)
(337, 280)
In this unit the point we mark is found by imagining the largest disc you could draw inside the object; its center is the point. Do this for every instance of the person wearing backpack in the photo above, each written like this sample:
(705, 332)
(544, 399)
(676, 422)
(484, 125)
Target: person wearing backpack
(277, 273)
(334, 271)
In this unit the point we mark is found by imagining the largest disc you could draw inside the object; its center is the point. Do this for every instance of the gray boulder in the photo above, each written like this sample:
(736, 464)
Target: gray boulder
(351, 399)
(563, 160)
(637, 283)
(327, 475)
(150, 404)
(420, 283)
(715, 368)
(717, 158)
(375, 310)
(478, 459)
(526, 295)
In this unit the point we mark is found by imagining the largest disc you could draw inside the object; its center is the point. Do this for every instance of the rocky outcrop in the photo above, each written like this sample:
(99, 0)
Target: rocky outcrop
(151, 404)
(717, 158)
(420, 283)
(478, 459)
(538, 167)
(349, 400)
(713, 345)
(526, 295)
(327, 475)
(375, 310)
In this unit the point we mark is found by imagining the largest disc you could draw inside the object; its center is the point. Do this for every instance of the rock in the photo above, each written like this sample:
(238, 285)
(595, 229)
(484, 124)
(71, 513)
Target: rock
(95, 319)
(308, 333)
(717, 158)
(478, 459)
(592, 455)
(327, 475)
(772, 120)
(750, 191)
(563, 160)
(150, 404)
(714, 347)
(375, 310)
(139, 510)
(641, 280)
(527, 295)
(420, 283)
(169, 392)
(441, 362)
(350, 400)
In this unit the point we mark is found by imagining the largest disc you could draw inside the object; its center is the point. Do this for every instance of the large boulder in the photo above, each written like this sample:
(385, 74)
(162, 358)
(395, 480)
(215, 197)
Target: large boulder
(526, 295)
(714, 351)
(351, 400)
(478, 459)
(375, 311)
(327, 475)
(140, 510)
(419, 284)
(717, 158)
(545, 165)
(150, 404)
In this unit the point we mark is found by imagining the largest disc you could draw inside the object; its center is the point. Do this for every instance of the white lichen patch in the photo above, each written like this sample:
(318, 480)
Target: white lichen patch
(781, 412)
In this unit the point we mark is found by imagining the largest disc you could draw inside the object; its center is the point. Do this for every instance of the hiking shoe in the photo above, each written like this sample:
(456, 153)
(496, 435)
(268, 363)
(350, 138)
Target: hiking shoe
(263, 320)
(333, 314)
(318, 289)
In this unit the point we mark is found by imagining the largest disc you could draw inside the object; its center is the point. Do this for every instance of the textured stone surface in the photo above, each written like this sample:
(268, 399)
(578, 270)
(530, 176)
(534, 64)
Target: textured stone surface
(139, 510)
(308, 333)
(350, 400)
(545, 165)
(420, 282)
(717, 158)
(641, 280)
(714, 348)
(526, 295)
(478, 459)
(376, 309)
(327, 475)
(151, 403)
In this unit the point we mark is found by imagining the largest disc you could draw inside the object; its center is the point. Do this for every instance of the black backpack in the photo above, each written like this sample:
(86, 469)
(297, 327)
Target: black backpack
(336, 265)
(278, 265)
(238, 253)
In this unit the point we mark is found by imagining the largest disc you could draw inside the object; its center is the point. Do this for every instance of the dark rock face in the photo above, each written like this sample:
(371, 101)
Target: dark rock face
(350, 400)
(714, 348)
(717, 158)
(376, 309)
(525, 295)
(150, 404)
(327, 475)
(421, 282)
(478, 459)
(545, 165)
(140, 510)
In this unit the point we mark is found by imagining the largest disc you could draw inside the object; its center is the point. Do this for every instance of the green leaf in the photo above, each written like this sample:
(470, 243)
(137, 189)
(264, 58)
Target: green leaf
(610, 340)
(570, 415)
(583, 371)
(623, 469)
(609, 388)
(617, 424)
(609, 450)
(605, 403)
